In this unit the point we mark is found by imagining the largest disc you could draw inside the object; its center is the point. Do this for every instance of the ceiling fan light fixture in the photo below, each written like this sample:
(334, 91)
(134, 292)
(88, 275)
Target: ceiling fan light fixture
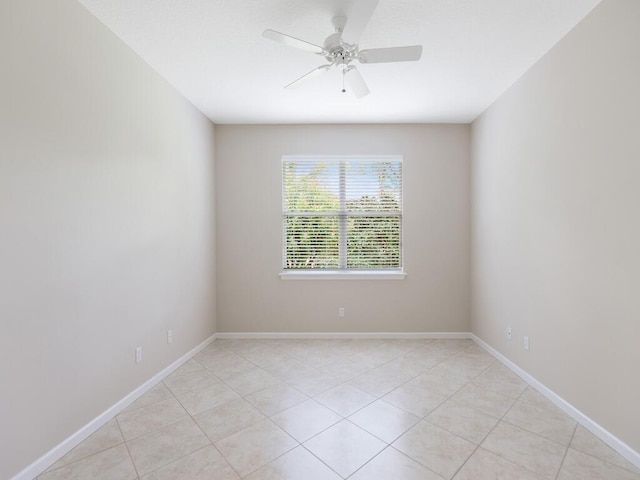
(341, 47)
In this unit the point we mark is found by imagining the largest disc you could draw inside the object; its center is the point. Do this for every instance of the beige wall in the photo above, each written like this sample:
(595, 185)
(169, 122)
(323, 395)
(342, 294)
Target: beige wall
(435, 294)
(106, 224)
(556, 223)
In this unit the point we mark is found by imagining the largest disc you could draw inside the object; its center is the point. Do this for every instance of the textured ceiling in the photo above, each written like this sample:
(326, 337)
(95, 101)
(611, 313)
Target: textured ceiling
(212, 51)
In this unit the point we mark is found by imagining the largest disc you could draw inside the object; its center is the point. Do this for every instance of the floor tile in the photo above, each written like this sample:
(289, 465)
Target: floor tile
(395, 347)
(203, 399)
(344, 447)
(405, 345)
(289, 369)
(239, 344)
(345, 369)
(264, 356)
(213, 356)
(188, 382)
(317, 358)
(204, 464)
(384, 420)
(143, 420)
(535, 453)
(486, 401)
(297, 464)
(111, 464)
(464, 369)
(274, 399)
(414, 400)
(376, 383)
(345, 399)
(443, 385)
(225, 420)
(534, 397)
(157, 394)
(166, 445)
(552, 424)
(401, 368)
(500, 380)
(375, 358)
(435, 448)
(252, 381)
(105, 437)
(475, 348)
(189, 366)
(485, 465)
(255, 446)
(433, 399)
(464, 421)
(315, 383)
(425, 358)
(305, 420)
(586, 442)
(580, 466)
(55, 466)
(450, 346)
(391, 464)
(229, 367)
(475, 355)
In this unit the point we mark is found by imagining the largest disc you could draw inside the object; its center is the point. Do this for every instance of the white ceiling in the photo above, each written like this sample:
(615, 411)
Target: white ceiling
(212, 51)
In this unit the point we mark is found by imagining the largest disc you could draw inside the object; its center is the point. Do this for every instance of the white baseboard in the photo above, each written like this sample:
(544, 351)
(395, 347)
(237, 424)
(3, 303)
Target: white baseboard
(343, 335)
(607, 437)
(59, 451)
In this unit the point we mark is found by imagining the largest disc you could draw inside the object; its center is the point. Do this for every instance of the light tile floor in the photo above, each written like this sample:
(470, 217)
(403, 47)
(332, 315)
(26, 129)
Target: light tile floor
(337, 409)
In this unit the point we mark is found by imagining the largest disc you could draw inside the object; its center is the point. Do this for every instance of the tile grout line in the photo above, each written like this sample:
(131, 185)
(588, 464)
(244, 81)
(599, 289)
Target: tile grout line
(320, 460)
(573, 434)
(159, 428)
(636, 473)
(423, 418)
(126, 445)
(500, 419)
(298, 444)
(343, 418)
(84, 456)
(520, 397)
(503, 420)
(489, 433)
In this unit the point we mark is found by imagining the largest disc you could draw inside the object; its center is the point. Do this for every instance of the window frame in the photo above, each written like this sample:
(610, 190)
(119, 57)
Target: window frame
(342, 273)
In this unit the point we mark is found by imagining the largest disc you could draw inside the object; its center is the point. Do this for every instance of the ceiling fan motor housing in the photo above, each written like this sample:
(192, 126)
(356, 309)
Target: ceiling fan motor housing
(339, 53)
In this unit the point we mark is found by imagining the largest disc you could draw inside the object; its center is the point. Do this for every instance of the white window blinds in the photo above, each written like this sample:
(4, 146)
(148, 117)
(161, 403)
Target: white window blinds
(342, 213)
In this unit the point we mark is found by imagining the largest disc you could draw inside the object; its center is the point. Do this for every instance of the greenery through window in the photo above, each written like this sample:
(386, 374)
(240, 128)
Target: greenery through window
(342, 213)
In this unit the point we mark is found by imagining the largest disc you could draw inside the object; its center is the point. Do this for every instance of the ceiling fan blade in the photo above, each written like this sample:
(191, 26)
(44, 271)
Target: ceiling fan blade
(292, 41)
(356, 82)
(357, 20)
(392, 54)
(312, 74)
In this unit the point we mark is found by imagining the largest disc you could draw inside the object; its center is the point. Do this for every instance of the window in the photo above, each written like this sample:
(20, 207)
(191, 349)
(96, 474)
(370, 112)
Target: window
(342, 214)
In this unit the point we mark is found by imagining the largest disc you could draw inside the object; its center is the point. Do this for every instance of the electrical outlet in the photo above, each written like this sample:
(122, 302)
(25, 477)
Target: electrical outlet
(525, 343)
(341, 312)
(509, 333)
(169, 336)
(138, 354)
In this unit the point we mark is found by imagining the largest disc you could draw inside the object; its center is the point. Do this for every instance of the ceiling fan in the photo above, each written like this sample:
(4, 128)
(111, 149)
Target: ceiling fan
(341, 48)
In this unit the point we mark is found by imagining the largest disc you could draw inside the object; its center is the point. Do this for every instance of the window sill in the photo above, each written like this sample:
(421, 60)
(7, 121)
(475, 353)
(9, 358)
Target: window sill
(342, 275)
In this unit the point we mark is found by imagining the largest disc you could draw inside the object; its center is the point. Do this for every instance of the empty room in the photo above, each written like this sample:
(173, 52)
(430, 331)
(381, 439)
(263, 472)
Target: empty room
(320, 239)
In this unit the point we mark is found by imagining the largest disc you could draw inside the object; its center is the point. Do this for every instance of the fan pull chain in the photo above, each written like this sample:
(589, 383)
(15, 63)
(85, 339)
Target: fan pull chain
(344, 72)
